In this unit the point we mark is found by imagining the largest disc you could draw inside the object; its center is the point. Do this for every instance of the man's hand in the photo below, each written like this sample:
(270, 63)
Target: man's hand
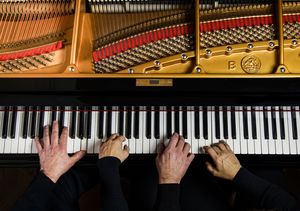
(113, 148)
(226, 163)
(54, 159)
(173, 161)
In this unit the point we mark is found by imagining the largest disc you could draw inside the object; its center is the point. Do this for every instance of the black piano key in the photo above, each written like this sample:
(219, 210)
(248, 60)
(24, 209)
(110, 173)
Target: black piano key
(121, 121)
(169, 121)
(266, 124)
(253, 121)
(205, 123)
(62, 118)
(5, 122)
(217, 123)
(156, 122)
(25, 122)
(294, 123)
(196, 111)
(136, 122)
(13, 122)
(274, 126)
(233, 122)
(100, 122)
(33, 122)
(41, 121)
(128, 122)
(245, 123)
(176, 119)
(108, 121)
(81, 123)
(184, 122)
(54, 114)
(89, 123)
(148, 122)
(73, 122)
(281, 121)
(225, 122)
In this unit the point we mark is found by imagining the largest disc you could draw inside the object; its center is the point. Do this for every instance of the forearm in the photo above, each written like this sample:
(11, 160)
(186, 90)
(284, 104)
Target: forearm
(167, 198)
(113, 199)
(37, 194)
(265, 194)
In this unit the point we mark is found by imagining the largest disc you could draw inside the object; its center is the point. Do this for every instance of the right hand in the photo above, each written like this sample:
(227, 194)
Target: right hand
(226, 163)
(173, 161)
(113, 147)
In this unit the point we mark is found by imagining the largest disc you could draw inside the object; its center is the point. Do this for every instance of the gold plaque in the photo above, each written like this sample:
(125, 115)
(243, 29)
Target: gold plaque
(251, 64)
(154, 82)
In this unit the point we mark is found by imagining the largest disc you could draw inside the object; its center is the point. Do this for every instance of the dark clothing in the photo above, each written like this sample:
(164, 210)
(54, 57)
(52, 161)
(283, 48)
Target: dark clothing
(43, 194)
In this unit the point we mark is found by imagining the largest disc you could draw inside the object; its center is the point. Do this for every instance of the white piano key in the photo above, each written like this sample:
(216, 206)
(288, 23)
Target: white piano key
(173, 120)
(105, 136)
(19, 135)
(126, 142)
(91, 140)
(34, 149)
(1, 127)
(83, 144)
(221, 124)
(237, 141)
(77, 140)
(271, 141)
(229, 141)
(132, 140)
(298, 128)
(67, 123)
(28, 142)
(189, 127)
(162, 127)
(180, 121)
(15, 145)
(139, 141)
(286, 140)
(278, 140)
(292, 141)
(208, 142)
(194, 142)
(114, 116)
(146, 141)
(213, 125)
(257, 141)
(243, 141)
(264, 142)
(202, 141)
(95, 127)
(7, 140)
(250, 141)
(152, 140)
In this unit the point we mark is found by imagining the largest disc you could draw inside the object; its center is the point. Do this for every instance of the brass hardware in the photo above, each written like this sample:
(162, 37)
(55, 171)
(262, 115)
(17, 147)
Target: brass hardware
(154, 82)
(197, 32)
(130, 71)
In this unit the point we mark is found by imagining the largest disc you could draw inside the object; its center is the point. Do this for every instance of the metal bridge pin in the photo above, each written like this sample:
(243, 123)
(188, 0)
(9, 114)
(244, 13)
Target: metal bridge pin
(250, 46)
(184, 57)
(271, 44)
(157, 64)
(131, 71)
(294, 42)
(208, 52)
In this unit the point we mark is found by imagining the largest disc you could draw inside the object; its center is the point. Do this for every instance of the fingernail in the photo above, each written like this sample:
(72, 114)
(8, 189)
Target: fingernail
(175, 134)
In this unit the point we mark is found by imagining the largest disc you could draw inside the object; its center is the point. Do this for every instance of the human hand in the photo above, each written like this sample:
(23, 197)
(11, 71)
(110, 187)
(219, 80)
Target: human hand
(54, 159)
(173, 161)
(113, 147)
(226, 163)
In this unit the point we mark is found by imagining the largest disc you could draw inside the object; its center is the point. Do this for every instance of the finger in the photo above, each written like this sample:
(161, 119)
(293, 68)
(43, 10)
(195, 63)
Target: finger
(126, 148)
(77, 156)
(211, 152)
(113, 136)
(120, 138)
(222, 146)
(173, 140)
(38, 144)
(54, 134)
(190, 157)
(46, 138)
(64, 138)
(226, 145)
(186, 148)
(180, 143)
(160, 149)
(216, 148)
(211, 169)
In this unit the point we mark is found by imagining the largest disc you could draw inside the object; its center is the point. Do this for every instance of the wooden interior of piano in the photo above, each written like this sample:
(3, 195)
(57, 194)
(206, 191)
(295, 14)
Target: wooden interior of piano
(89, 37)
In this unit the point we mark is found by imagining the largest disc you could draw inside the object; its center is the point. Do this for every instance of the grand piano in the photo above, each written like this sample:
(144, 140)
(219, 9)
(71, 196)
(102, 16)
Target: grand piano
(209, 70)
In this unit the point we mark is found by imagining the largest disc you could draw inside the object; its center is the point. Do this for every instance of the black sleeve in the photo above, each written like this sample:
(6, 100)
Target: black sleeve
(167, 198)
(37, 194)
(265, 194)
(113, 199)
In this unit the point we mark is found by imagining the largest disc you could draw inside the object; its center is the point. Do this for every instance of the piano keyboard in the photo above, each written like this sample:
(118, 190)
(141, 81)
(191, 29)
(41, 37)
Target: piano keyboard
(247, 129)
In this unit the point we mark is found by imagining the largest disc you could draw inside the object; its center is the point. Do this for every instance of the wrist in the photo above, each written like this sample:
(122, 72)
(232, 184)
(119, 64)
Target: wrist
(52, 177)
(235, 173)
(169, 181)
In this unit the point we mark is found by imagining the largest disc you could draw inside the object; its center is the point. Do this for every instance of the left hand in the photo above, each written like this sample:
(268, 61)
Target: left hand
(54, 159)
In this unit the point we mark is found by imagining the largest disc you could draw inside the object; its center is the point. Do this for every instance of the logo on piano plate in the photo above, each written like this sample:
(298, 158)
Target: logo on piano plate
(251, 64)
